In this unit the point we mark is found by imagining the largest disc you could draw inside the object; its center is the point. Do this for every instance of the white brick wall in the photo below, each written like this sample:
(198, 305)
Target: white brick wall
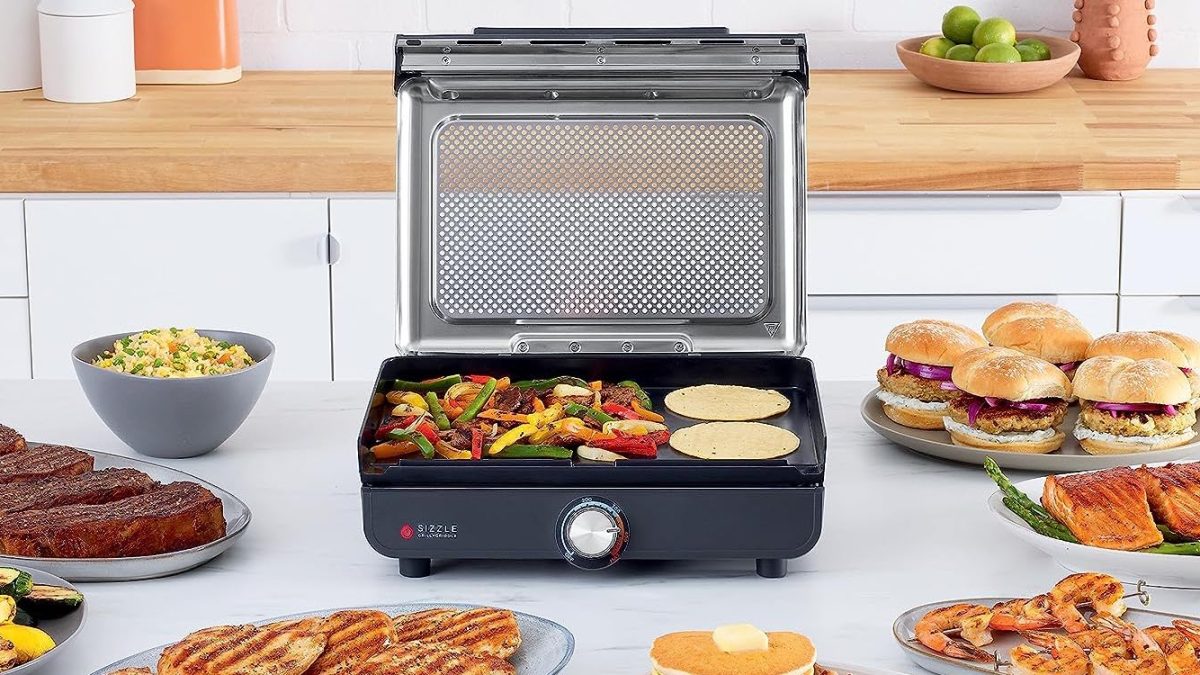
(357, 34)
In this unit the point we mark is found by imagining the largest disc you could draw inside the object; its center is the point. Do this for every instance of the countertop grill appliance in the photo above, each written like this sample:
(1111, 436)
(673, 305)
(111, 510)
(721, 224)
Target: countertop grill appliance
(609, 204)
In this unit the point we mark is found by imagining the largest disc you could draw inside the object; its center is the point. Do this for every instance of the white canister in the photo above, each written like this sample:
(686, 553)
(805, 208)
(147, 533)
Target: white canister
(87, 50)
(20, 63)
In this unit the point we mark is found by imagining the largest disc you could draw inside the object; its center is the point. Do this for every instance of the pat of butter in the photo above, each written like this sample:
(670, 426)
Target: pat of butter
(741, 637)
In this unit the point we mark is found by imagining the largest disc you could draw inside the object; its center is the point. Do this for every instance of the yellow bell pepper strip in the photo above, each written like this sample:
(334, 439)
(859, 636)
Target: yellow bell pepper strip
(645, 413)
(596, 385)
(577, 410)
(476, 405)
(541, 419)
(568, 425)
(435, 409)
(535, 452)
(501, 416)
(503, 383)
(415, 400)
(450, 452)
(393, 450)
(512, 436)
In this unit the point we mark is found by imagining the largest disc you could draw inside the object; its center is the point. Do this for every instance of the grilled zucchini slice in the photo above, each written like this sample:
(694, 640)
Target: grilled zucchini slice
(50, 602)
(15, 582)
(8, 609)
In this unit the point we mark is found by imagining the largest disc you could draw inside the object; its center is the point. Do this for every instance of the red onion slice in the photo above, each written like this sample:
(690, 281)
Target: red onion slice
(1170, 410)
(924, 371)
(992, 401)
(891, 365)
(1186, 371)
(1035, 407)
(973, 409)
(1068, 367)
(947, 385)
(1151, 408)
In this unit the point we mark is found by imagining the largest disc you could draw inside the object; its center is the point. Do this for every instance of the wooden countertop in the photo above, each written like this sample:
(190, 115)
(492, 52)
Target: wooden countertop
(868, 130)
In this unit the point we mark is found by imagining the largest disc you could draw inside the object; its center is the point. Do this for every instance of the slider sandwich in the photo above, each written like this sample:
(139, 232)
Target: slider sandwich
(1130, 406)
(1040, 329)
(915, 385)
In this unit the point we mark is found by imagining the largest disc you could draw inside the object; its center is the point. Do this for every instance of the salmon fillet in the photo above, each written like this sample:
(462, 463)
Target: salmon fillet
(1174, 494)
(44, 461)
(1106, 509)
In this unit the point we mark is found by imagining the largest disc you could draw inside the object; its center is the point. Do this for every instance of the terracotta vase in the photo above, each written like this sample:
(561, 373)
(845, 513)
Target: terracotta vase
(1117, 37)
(186, 41)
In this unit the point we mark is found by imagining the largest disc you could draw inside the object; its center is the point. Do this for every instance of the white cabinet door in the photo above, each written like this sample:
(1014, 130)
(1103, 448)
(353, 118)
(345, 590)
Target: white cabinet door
(101, 266)
(14, 339)
(846, 333)
(364, 285)
(12, 249)
(1174, 313)
(949, 244)
(1162, 234)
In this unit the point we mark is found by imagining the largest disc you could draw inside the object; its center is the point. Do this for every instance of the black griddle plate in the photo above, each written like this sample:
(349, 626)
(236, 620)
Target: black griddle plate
(658, 375)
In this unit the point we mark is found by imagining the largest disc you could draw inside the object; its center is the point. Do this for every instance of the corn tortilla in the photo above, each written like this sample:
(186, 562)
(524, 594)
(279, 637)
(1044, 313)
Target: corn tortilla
(727, 403)
(735, 440)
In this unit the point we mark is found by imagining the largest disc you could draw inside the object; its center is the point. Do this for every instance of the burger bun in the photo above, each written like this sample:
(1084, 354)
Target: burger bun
(1009, 374)
(932, 342)
(1119, 379)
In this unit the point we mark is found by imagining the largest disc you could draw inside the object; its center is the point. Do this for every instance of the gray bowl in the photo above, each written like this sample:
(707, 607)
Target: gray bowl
(177, 417)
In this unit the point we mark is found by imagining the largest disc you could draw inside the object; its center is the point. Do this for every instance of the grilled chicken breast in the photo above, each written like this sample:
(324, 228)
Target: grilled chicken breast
(492, 632)
(417, 658)
(1106, 509)
(244, 650)
(132, 671)
(1174, 494)
(352, 637)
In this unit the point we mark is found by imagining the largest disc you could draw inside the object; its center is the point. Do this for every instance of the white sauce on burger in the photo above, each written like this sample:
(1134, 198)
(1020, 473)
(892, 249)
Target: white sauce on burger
(1014, 437)
(1086, 433)
(909, 402)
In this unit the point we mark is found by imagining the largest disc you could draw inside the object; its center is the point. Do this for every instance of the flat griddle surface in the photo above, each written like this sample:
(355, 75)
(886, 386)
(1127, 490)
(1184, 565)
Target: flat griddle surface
(658, 375)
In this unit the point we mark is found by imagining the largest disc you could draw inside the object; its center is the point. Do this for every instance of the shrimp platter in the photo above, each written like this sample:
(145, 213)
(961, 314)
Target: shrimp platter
(1086, 624)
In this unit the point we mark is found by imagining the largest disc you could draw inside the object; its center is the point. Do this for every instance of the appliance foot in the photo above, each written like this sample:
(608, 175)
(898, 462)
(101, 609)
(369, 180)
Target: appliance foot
(415, 568)
(772, 568)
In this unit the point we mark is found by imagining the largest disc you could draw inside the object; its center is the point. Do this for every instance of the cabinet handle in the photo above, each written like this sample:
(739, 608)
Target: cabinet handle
(331, 250)
(927, 202)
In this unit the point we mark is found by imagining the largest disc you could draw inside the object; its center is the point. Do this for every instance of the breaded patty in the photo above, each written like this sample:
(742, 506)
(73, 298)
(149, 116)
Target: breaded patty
(914, 387)
(1138, 424)
(1005, 420)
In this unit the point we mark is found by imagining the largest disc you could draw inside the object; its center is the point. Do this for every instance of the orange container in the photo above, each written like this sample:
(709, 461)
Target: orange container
(186, 41)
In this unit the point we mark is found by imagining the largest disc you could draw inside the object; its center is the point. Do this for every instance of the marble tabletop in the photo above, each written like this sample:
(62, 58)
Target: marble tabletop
(900, 530)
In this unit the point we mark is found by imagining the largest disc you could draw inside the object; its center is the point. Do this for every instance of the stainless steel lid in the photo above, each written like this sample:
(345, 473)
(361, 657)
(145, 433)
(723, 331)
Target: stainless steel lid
(647, 198)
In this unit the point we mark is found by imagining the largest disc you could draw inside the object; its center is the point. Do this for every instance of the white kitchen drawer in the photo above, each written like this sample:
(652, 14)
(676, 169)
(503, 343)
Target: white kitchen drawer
(846, 333)
(364, 286)
(12, 249)
(918, 243)
(14, 339)
(1162, 233)
(1174, 313)
(101, 266)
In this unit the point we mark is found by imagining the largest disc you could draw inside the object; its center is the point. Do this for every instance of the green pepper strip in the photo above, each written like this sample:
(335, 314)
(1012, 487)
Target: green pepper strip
(535, 452)
(417, 437)
(435, 409)
(481, 399)
(577, 410)
(550, 383)
(640, 394)
(439, 385)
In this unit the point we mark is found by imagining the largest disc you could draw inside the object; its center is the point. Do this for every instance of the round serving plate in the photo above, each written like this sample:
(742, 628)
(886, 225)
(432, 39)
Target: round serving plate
(903, 631)
(237, 518)
(1071, 457)
(546, 646)
(848, 669)
(1156, 569)
(62, 630)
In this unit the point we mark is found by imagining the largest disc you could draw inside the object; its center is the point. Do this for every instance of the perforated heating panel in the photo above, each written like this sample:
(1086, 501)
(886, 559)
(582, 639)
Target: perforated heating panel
(601, 219)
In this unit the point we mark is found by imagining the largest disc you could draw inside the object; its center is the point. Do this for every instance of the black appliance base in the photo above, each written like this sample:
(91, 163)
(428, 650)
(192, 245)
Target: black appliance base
(769, 525)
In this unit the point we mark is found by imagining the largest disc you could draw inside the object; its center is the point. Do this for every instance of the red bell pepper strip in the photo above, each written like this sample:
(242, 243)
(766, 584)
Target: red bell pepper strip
(478, 379)
(636, 446)
(429, 431)
(476, 443)
(385, 429)
(620, 411)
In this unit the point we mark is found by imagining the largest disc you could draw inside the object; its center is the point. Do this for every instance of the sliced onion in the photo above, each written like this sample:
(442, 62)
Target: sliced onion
(1035, 407)
(1151, 408)
(926, 372)
(891, 365)
(1170, 410)
(1186, 371)
(1068, 367)
(973, 409)
(947, 385)
(993, 402)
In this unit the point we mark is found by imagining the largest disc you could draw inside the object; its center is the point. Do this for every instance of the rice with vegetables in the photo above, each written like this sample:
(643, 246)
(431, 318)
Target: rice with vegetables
(174, 352)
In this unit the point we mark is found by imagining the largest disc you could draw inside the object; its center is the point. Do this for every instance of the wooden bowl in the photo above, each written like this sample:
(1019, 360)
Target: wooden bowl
(990, 78)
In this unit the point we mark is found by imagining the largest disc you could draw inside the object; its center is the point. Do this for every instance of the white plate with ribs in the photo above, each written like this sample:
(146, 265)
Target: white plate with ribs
(1155, 568)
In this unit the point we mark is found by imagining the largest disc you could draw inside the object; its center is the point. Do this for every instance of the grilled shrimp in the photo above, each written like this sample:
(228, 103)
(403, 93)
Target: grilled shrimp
(1102, 592)
(1191, 629)
(1182, 657)
(1139, 656)
(1049, 654)
(1017, 615)
(969, 621)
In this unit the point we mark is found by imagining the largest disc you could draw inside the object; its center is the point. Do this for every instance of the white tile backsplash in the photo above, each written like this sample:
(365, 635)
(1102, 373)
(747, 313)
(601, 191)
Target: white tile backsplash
(357, 34)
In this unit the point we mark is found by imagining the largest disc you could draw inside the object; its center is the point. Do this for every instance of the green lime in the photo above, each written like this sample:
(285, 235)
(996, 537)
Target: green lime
(962, 53)
(1033, 49)
(994, 30)
(998, 53)
(936, 47)
(959, 24)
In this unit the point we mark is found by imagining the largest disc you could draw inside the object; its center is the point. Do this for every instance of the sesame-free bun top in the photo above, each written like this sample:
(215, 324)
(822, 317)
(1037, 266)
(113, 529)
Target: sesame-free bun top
(932, 342)
(1119, 379)
(1142, 345)
(1009, 374)
(1038, 329)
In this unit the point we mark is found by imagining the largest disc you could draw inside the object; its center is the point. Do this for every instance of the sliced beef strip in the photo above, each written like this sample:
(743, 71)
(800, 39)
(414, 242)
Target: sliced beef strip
(623, 396)
(514, 400)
